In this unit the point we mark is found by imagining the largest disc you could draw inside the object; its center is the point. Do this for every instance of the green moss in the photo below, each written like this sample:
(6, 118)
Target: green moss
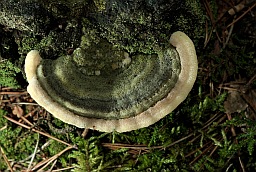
(28, 43)
(189, 118)
(55, 147)
(195, 6)
(8, 74)
(89, 156)
(125, 38)
(90, 35)
(193, 25)
(2, 119)
(33, 43)
(100, 5)
(15, 140)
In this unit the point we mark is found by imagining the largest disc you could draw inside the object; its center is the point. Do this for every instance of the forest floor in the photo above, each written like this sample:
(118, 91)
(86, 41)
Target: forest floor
(214, 129)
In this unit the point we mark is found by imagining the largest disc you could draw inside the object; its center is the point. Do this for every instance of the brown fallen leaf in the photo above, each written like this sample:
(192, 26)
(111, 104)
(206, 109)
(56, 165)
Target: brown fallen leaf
(234, 103)
(17, 110)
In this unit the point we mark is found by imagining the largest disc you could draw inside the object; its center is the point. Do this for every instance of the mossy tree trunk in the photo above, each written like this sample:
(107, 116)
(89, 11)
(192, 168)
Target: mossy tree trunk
(55, 28)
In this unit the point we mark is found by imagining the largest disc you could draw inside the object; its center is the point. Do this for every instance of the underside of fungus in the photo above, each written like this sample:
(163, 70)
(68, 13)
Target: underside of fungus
(106, 89)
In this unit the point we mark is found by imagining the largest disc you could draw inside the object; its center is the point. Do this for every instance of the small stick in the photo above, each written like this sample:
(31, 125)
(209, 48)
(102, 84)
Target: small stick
(6, 88)
(33, 155)
(53, 164)
(242, 164)
(254, 5)
(3, 128)
(6, 159)
(27, 121)
(13, 93)
(48, 161)
(37, 131)
(25, 103)
(62, 169)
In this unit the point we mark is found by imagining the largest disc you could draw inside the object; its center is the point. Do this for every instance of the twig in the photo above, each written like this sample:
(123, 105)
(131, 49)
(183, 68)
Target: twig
(209, 11)
(229, 35)
(53, 164)
(208, 123)
(121, 145)
(249, 9)
(212, 119)
(204, 151)
(241, 163)
(37, 131)
(62, 169)
(6, 88)
(236, 141)
(42, 148)
(230, 165)
(6, 159)
(3, 128)
(13, 93)
(25, 103)
(194, 151)
(180, 140)
(232, 127)
(249, 101)
(251, 80)
(33, 155)
(144, 147)
(229, 88)
(25, 120)
(214, 149)
(49, 160)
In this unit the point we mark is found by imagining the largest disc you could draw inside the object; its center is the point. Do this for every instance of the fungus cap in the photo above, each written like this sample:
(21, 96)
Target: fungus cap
(112, 91)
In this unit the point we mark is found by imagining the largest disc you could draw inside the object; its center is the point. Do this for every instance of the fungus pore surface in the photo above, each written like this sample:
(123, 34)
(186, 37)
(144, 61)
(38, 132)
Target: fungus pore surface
(103, 88)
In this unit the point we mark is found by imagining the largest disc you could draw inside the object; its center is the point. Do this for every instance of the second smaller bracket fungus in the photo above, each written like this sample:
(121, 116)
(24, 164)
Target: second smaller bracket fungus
(106, 89)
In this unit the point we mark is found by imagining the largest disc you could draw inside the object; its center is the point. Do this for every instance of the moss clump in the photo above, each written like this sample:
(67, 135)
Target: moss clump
(100, 5)
(8, 73)
(199, 17)
(14, 140)
(90, 155)
(138, 27)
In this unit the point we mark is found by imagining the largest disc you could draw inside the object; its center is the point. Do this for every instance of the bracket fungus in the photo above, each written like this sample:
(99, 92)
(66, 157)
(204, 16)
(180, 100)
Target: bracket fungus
(106, 89)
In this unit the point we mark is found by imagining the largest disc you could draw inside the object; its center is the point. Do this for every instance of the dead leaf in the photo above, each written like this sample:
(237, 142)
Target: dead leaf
(234, 103)
(17, 110)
